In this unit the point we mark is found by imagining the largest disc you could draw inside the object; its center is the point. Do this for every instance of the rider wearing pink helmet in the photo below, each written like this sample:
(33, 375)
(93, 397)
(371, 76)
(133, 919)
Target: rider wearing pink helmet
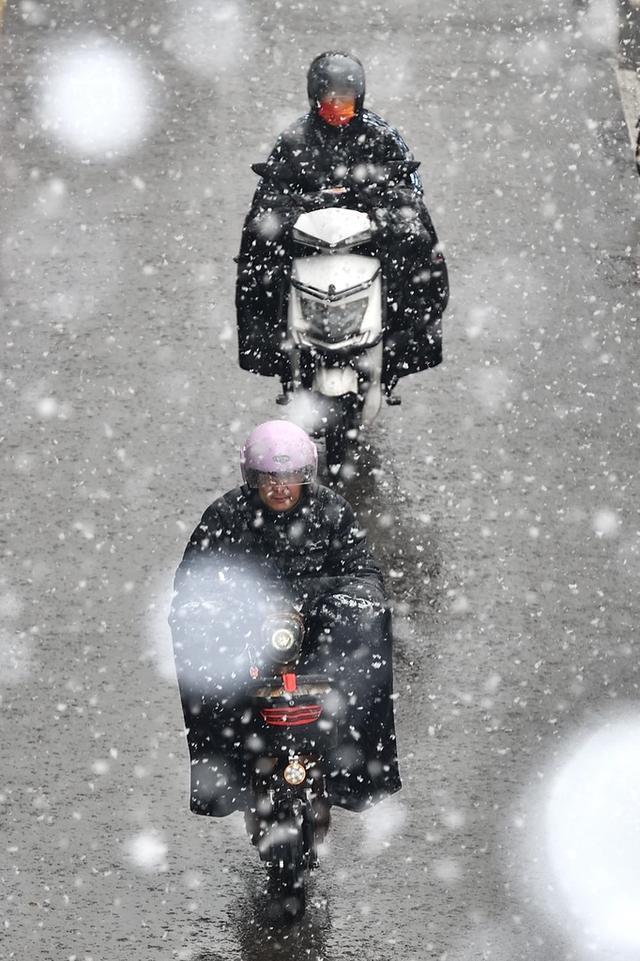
(278, 447)
(277, 459)
(282, 539)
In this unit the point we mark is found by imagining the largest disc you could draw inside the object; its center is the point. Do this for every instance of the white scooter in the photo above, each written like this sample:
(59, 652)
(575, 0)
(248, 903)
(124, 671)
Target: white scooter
(335, 320)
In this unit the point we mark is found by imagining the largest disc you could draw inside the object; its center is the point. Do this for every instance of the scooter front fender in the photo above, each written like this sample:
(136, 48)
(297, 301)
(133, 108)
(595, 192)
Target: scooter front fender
(335, 381)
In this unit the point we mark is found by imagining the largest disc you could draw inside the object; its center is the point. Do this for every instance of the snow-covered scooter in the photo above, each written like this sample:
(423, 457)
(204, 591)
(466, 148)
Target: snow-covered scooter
(336, 307)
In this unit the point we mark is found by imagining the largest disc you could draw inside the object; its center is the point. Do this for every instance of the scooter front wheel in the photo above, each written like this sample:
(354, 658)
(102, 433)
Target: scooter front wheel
(337, 445)
(286, 870)
(341, 431)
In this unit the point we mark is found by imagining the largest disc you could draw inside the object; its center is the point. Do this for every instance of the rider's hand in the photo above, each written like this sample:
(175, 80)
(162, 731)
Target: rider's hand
(381, 219)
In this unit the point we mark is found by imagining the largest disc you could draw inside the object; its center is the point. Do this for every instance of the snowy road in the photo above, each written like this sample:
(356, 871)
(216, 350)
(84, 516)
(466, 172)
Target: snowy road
(502, 496)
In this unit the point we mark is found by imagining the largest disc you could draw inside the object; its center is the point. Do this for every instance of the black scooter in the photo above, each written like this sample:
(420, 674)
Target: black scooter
(290, 731)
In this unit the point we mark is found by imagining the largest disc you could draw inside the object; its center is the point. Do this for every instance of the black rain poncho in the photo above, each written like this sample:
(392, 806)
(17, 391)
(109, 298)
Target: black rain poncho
(417, 286)
(243, 561)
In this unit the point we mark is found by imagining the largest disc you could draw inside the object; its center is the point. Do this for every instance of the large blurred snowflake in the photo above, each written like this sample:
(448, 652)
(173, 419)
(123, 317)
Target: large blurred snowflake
(95, 99)
(593, 834)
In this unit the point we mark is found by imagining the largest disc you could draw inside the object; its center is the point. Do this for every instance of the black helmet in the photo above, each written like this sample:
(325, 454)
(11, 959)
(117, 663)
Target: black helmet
(335, 71)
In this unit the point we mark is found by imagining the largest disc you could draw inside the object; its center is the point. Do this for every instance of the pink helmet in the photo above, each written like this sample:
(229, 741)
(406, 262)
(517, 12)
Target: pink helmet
(278, 447)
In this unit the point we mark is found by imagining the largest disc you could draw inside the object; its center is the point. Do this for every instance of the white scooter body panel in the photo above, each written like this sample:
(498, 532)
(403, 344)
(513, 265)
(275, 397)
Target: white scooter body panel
(363, 297)
(343, 271)
(337, 282)
(333, 225)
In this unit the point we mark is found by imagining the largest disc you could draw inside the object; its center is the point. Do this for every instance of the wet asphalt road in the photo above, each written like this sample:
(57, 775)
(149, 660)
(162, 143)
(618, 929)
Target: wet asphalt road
(501, 497)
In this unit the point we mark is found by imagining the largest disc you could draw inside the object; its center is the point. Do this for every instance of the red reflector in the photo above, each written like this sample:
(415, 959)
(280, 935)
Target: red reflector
(291, 716)
(289, 682)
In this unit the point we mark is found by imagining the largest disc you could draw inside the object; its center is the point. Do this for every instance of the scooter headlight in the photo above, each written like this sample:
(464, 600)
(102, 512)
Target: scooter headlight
(283, 635)
(333, 322)
(283, 639)
(295, 773)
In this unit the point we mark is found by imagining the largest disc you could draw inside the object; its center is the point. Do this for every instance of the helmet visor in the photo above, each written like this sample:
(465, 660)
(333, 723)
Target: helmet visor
(290, 478)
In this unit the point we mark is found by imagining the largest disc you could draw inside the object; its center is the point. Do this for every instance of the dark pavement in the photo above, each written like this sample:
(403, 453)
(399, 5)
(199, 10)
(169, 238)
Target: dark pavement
(502, 496)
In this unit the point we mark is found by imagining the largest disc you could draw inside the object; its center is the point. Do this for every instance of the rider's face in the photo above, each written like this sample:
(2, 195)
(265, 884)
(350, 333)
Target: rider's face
(278, 496)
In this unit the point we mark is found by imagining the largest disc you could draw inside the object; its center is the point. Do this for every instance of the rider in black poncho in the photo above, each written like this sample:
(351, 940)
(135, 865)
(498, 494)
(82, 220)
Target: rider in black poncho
(274, 543)
(328, 143)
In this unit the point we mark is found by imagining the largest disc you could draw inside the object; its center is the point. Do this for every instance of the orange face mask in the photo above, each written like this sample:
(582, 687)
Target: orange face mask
(337, 111)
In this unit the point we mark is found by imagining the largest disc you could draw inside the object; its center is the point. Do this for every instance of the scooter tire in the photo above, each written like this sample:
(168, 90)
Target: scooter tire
(337, 447)
(286, 871)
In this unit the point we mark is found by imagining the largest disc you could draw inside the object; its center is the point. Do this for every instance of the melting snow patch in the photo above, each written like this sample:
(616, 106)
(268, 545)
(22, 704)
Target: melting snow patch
(47, 407)
(209, 37)
(454, 819)
(491, 387)
(382, 823)
(10, 605)
(15, 658)
(446, 870)
(33, 13)
(160, 649)
(600, 23)
(479, 320)
(540, 56)
(606, 523)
